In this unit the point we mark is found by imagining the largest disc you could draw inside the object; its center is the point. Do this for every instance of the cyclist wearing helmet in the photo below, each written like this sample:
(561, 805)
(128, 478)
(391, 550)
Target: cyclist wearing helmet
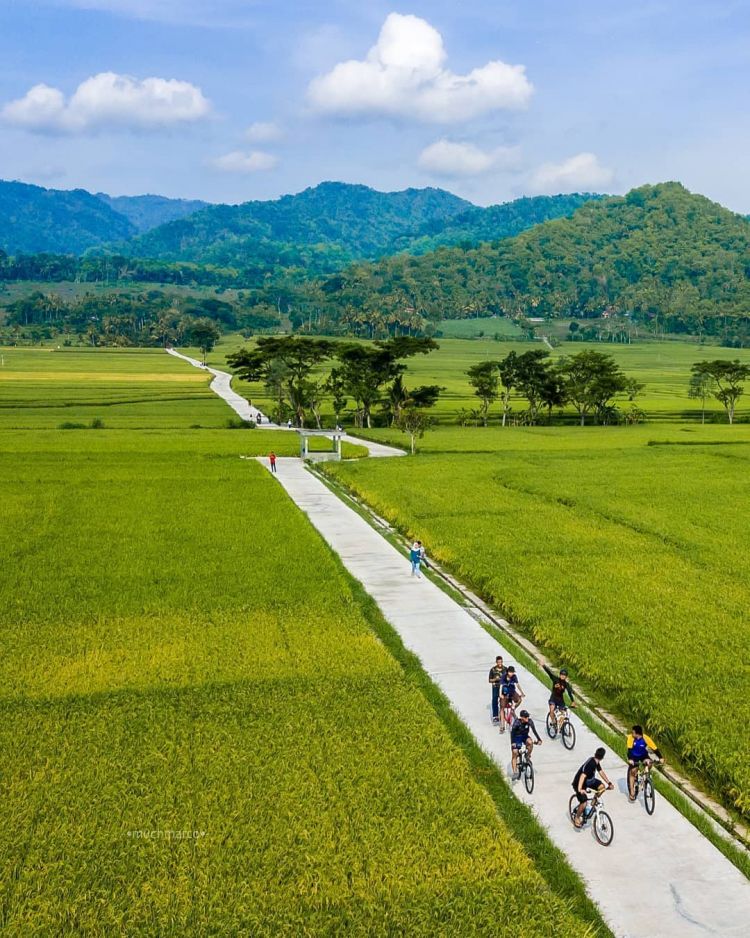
(510, 692)
(519, 736)
(586, 780)
(560, 686)
(639, 748)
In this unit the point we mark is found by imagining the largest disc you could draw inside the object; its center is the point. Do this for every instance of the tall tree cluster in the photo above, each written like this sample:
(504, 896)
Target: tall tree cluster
(291, 369)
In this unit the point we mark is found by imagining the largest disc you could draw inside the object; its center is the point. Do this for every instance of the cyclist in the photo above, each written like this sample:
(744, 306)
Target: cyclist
(639, 748)
(510, 691)
(560, 686)
(519, 736)
(496, 679)
(586, 780)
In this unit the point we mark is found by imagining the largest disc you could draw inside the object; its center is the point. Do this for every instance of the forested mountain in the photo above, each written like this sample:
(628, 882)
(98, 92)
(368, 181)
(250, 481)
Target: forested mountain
(320, 228)
(323, 228)
(145, 212)
(34, 219)
(659, 255)
(492, 223)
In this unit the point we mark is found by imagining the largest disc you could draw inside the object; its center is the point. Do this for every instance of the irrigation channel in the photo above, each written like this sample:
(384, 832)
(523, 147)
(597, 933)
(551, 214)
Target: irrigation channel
(660, 876)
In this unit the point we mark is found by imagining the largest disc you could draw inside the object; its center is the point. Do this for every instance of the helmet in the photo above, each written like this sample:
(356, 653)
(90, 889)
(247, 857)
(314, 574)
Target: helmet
(524, 713)
(564, 671)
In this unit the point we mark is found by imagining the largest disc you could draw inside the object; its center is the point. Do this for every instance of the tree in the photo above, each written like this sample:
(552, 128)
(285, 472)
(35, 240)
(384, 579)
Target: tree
(204, 333)
(335, 386)
(484, 378)
(532, 378)
(414, 421)
(699, 389)
(297, 354)
(591, 380)
(507, 369)
(727, 378)
(365, 369)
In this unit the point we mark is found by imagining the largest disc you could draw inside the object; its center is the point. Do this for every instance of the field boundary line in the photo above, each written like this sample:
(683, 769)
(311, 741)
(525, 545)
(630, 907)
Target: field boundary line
(723, 825)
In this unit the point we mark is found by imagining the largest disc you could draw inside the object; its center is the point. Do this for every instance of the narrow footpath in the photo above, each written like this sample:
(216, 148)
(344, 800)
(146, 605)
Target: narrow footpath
(660, 876)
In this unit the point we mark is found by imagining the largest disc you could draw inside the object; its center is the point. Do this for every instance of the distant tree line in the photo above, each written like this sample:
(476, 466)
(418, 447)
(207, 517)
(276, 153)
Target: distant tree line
(589, 381)
(129, 319)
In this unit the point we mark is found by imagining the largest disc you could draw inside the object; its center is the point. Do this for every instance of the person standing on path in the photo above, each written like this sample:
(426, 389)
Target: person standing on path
(416, 555)
(272, 461)
(496, 678)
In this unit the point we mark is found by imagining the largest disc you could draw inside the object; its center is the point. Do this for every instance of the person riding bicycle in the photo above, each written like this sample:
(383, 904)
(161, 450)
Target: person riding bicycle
(640, 748)
(510, 691)
(586, 780)
(519, 737)
(560, 686)
(496, 679)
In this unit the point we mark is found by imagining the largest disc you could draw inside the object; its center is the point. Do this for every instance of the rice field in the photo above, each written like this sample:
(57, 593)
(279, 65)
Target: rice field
(201, 732)
(662, 367)
(623, 551)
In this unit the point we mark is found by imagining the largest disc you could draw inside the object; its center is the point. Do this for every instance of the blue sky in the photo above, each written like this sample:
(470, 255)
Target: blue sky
(230, 100)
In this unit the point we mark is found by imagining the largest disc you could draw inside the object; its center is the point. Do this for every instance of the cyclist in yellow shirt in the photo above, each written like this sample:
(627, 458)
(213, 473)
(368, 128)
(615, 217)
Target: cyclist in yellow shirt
(640, 748)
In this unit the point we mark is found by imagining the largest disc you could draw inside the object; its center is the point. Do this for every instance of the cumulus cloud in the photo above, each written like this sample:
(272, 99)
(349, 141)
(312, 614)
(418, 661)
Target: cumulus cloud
(447, 158)
(264, 132)
(579, 173)
(108, 100)
(404, 75)
(239, 162)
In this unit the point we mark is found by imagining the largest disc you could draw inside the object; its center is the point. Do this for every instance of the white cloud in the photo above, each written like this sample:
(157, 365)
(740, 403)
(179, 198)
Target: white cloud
(239, 162)
(108, 100)
(579, 173)
(264, 132)
(404, 75)
(447, 158)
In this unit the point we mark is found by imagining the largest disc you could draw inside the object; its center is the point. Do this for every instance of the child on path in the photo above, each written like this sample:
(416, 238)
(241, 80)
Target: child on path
(416, 555)
(272, 460)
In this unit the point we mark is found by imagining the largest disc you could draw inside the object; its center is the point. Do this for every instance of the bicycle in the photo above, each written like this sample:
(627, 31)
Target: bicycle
(507, 714)
(525, 768)
(642, 779)
(560, 724)
(604, 830)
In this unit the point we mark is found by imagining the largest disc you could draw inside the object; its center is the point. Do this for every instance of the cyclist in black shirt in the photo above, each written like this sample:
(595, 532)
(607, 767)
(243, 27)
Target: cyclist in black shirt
(560, 686)
(497, 678)
(586, 780)
(519, 736)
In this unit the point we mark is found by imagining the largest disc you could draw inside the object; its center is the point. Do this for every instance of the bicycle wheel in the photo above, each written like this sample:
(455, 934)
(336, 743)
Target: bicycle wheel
(649, 795)
(568, 735)
(528, 777)
(551, 726)
(604, 830)
(572, 806)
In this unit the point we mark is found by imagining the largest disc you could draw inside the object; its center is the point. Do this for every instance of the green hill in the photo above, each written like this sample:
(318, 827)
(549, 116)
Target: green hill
(492, 223)
(325, 227)
(145, 212)
(320, 228)
(659, 254)
(35, 220)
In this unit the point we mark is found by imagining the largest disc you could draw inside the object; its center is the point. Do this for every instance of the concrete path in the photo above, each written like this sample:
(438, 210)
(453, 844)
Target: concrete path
(660, 876)
(222, 385)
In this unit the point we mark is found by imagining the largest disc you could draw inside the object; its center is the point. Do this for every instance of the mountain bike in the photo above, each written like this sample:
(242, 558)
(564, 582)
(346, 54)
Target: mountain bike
(604, 830)
(642, 780)
(560, 724)
(526, 769)
(507, 714)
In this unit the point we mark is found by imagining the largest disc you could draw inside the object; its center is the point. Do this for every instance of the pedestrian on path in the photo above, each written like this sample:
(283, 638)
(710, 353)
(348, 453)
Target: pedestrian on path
(416, 555)
(272, 461)
(497, 676)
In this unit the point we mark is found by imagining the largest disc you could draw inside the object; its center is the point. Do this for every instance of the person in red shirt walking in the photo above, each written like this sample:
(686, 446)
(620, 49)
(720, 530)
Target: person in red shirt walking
(272, 460)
